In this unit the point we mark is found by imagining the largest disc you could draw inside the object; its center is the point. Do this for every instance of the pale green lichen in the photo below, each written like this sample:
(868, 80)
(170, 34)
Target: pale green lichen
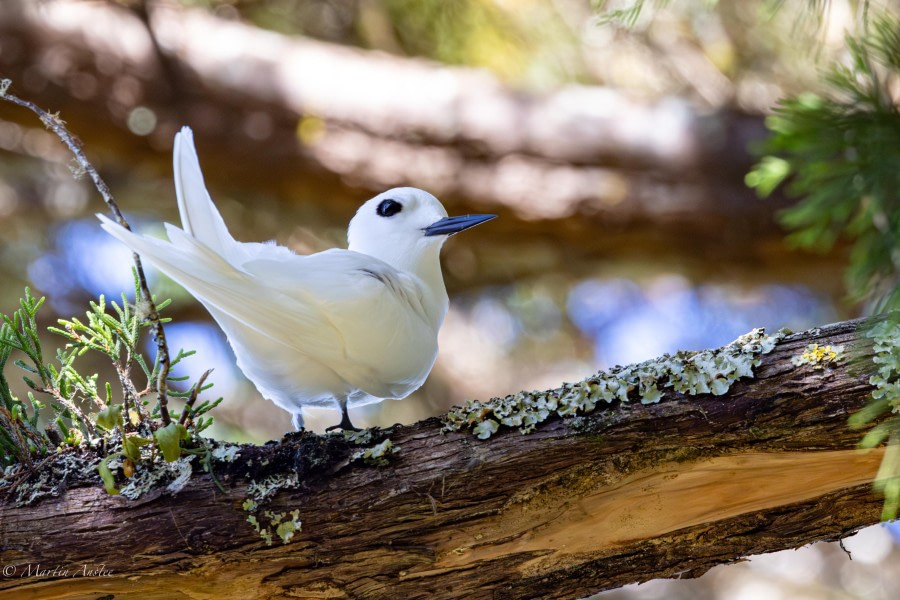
(818, 357)
(263, 532)
(284, 529)
(226, 453)
(50, 481)
(486, 429)
(691, 373)
(268, 487)
(378, 455)
(260, 493)
(150, 475)
(359, 438)
(887, 358)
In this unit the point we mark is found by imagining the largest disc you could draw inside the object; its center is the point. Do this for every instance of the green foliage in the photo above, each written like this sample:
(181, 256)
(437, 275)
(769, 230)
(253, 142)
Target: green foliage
(885, 401)
(839, 154)
(82, 412)
(169, 439)
(626, 16)
(106, 475)
(20, 438)
(466, 32)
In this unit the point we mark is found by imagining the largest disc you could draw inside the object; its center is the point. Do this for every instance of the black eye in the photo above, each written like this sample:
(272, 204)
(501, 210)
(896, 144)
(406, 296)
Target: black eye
(389, 208)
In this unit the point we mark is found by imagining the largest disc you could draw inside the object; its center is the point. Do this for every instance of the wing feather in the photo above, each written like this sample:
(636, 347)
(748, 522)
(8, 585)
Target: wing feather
(296, 321)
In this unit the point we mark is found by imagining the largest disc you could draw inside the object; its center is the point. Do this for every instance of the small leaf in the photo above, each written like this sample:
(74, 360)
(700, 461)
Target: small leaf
(109, 481)
(169, 439)
(132, 446)
(110, 416)
(22, 365)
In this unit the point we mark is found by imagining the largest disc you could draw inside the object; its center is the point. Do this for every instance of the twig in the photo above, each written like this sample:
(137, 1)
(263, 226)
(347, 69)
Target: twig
(56, 125)
(189, 405)
(71, 406)
(21, 444)
(27, 471)
(844, 548)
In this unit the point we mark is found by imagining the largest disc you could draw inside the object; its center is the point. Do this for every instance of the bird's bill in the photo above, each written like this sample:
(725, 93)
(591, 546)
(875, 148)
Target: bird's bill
(451, 225)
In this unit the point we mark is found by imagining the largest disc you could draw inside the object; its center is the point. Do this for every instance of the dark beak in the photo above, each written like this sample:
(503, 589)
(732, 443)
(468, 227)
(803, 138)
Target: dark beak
(452, 225)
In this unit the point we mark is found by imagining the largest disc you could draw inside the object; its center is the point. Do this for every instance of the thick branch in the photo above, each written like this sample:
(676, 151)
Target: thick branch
(626, 494)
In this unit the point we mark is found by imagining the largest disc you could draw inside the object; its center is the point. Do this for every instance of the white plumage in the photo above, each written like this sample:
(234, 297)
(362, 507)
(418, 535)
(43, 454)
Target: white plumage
(329, 329)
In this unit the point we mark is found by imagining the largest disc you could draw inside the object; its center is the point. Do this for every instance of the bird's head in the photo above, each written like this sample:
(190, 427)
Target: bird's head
(404, 227)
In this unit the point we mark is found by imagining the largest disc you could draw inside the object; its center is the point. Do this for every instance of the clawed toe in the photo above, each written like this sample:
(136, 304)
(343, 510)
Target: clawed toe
(344, 425)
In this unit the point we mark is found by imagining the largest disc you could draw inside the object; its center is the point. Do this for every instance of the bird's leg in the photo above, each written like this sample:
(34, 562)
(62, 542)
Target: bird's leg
(345, 423)
(297, 421)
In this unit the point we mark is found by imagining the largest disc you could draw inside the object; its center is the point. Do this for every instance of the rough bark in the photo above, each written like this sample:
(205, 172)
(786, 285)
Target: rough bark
(586, 161)
(625, 494)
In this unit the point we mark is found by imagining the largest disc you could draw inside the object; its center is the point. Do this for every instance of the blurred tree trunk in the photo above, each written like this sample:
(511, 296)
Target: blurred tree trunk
(626, 494)
(582, 174)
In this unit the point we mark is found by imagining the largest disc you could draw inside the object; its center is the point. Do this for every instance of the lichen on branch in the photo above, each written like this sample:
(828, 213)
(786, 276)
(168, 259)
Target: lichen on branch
(689, 373)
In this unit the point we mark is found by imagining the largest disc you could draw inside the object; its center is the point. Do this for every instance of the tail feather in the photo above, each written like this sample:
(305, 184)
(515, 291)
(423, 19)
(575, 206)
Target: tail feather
(218, 284)
(199, 216)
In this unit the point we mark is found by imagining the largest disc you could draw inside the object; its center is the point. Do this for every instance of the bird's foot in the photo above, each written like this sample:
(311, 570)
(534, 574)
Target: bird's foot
(344, 425)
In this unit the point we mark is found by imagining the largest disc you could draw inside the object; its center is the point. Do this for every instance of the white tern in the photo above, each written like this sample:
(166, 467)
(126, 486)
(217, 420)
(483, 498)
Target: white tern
(331, 329)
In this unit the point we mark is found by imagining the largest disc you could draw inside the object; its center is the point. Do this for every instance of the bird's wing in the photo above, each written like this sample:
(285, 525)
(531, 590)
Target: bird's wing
(346, 282)
(297, 321)
(389, 335)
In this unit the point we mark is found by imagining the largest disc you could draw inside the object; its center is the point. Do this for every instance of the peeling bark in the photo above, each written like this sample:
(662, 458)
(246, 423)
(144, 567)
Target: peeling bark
(625, 494)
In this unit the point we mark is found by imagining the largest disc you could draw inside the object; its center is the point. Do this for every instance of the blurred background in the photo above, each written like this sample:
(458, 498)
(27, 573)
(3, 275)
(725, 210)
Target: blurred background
(613, 142)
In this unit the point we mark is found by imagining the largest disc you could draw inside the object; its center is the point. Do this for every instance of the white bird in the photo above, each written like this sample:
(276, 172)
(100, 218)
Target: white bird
(331, 329)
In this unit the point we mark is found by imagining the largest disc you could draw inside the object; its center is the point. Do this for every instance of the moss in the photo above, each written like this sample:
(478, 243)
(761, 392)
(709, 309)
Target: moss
(691, 373)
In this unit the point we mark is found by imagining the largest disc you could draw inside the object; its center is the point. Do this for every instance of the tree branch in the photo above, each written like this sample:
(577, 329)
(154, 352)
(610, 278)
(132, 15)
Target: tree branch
(628, 493)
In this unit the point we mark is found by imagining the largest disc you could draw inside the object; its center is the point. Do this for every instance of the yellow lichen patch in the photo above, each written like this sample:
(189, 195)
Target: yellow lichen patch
(818, 356)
